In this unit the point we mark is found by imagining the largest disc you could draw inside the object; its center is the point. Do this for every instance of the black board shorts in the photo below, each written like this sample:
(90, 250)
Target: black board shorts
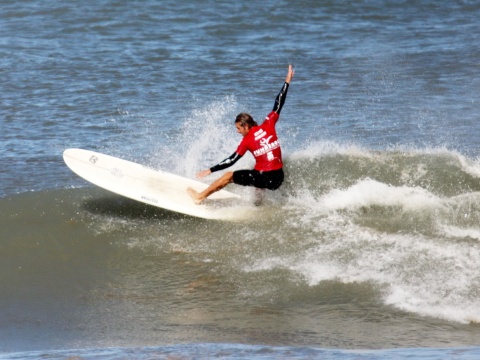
(260, 179)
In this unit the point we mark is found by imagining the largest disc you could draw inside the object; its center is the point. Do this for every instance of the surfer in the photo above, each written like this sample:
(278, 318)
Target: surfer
(262, 142)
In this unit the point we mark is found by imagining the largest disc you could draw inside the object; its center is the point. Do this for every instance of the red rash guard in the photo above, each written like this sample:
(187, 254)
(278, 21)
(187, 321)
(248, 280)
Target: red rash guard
(263, 143)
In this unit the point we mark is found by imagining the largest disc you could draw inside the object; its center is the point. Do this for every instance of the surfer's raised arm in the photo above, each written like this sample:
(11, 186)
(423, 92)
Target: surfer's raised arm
(282, 95)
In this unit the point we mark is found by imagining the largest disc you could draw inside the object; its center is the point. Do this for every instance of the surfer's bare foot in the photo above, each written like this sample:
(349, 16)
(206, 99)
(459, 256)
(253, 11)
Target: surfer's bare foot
(194, 195)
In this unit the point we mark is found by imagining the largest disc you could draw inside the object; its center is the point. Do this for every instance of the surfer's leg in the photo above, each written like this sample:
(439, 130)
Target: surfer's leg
(259, 196)
(217, 185)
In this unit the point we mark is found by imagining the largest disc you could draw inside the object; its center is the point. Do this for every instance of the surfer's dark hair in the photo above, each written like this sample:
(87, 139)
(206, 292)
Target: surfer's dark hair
(245, 120)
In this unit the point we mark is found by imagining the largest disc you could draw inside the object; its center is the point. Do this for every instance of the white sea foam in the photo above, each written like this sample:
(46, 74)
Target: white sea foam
(371, 192)
(206, 136)
(417, 274)
(470, 166)
(322, 148)
(430, 272)
(459, 232)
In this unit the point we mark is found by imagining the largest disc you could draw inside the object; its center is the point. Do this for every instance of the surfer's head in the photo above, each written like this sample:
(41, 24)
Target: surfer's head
(244, 122)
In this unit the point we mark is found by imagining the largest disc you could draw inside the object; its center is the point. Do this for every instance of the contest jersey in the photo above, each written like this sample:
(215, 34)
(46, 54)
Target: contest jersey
(263, 143)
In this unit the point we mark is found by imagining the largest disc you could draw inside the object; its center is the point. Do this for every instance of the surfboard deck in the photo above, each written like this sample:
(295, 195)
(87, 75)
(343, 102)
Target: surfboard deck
(151, 186)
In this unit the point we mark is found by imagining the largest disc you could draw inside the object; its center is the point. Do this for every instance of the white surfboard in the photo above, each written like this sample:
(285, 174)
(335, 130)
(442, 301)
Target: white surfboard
(150, 186)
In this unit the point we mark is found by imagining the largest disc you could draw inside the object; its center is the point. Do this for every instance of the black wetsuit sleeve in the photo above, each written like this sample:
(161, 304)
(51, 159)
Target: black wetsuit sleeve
(232, 159)
(280, 99)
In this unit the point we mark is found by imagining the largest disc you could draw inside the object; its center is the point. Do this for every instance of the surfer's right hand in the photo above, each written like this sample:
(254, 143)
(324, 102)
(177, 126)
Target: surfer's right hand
(290, 74)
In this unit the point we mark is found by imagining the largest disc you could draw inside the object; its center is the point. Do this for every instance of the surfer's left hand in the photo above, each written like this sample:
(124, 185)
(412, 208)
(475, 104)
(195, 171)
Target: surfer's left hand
(203, 173)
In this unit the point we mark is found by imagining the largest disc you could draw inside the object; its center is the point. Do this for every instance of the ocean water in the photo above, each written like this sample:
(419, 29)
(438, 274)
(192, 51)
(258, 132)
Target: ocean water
(369, 250)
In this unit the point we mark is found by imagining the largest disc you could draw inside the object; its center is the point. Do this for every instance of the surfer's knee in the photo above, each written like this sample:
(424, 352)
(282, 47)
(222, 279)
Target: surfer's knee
(227, 178)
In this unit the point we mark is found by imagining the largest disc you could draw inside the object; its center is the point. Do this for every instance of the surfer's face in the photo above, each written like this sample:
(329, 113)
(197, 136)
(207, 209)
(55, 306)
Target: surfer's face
(242, 129)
